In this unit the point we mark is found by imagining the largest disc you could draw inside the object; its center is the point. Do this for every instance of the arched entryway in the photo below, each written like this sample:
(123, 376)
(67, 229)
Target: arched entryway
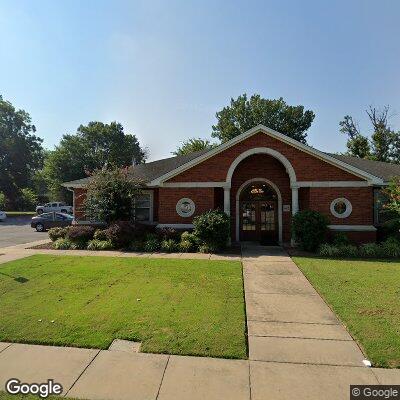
(259, 212)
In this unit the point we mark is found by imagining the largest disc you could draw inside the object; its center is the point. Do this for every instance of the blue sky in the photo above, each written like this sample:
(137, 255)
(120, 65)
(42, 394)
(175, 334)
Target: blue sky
(163, 68)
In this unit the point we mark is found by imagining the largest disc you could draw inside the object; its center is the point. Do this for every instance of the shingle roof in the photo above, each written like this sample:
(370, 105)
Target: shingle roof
(380, 169)
(152, 170)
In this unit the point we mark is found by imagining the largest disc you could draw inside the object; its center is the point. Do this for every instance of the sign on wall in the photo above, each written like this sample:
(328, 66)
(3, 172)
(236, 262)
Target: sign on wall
(286, 208)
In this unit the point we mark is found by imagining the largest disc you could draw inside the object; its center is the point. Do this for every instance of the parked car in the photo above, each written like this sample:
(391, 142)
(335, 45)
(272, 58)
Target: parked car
(51, 220)
(56, 206)
(3, 215)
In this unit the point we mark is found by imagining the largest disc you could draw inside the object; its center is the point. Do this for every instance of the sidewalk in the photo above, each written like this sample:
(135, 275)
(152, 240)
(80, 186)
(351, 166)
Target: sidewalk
(297, 349)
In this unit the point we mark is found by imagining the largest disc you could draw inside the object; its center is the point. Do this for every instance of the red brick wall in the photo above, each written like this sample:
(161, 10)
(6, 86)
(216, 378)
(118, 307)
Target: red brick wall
(203, 199)
(307, 167)
(360, 198)
(79, 198)
(358, 237)
(262, 166)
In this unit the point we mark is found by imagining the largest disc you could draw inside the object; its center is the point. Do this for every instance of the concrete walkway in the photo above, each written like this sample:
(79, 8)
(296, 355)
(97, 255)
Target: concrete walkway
(297, 349)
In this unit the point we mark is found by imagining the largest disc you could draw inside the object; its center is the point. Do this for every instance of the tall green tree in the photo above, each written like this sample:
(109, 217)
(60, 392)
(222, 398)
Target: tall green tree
(243, 114)
(92, 147)
(21, 152)
(192, 145)
(382, 145)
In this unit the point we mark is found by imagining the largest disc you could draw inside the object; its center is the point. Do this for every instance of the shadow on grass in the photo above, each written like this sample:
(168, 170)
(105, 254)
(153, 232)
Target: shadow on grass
(19, 279)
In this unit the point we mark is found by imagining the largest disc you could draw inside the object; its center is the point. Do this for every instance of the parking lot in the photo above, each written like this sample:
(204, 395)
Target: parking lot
(17, 230)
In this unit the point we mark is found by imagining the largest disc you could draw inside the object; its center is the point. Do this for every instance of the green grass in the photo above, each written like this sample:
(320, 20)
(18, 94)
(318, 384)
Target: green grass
(365, 294)
(191, 307)
(7, 396)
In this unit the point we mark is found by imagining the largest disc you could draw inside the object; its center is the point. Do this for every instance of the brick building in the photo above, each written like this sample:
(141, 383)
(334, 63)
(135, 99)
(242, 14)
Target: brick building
(260, 178)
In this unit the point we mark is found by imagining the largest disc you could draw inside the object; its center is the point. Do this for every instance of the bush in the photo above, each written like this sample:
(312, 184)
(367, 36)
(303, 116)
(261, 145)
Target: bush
(212, 229)
(63, 244)
(328, 250)
(348, 251)
(97, 244)
(340, 239)
(169, 245)
(167, 233)
(205, 248)
(371, 250)
(120, 233)
(152, 243)
(2, 201)
(185, 246)
(390, 229)
(57, 233)
(100, 234)
(310, 229)
(391, 248)
(28, 200)
(136, 245)
(80, 235)
(190, 237)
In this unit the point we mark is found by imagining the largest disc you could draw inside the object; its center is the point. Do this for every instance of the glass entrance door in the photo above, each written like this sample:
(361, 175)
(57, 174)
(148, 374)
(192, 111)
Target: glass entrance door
(258, 214)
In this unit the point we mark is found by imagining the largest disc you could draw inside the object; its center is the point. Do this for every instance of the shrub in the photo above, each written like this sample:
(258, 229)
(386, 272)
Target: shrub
(63, 244)
(28, 200)
(191, 237)
(2, 201)
(212, 229)
(167, 233)
(205, 248)
(97, 244)
(100, 234)
(169, 245)
(328, 250)
(309, 229)
(371, 250)
(391, 248)
(185, 246)
(136, 245)
(151, 244)
(80, 235)
(340, 239)
(390, 229)
(348, 251)
(120, 233)
(57, 233)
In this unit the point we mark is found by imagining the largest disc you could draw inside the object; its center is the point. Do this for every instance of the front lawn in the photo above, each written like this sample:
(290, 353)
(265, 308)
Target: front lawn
(192, 307)
(365, 294)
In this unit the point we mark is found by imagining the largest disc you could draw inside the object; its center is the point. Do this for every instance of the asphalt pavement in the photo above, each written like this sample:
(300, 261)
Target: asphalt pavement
(17, 230)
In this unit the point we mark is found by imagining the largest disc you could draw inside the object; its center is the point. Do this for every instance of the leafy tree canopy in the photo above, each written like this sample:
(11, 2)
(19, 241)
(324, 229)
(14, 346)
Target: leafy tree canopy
(21, 152)
(243, 114)
(110, 195)
(192, 145)
(384, 143)
(92, 147)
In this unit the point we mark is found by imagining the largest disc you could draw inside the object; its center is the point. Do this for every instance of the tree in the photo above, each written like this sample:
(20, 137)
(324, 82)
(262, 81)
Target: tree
(92, 147)
(110, 195)
(192, 145)
(21, 152)
(243, 114)
(392, 193)
(384, 144)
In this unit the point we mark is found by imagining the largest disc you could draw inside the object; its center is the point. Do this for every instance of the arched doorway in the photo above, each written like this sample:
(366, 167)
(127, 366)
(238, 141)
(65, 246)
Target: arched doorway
(259, 216)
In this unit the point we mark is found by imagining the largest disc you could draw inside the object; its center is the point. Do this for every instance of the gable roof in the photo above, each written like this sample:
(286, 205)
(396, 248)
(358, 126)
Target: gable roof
(279, 136)
(155, 172)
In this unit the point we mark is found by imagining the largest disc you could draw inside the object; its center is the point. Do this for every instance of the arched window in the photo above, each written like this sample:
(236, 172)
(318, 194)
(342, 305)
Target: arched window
(258, 191)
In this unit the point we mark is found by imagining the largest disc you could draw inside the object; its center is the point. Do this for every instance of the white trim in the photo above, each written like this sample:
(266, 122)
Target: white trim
(330, 184)
(193, 184)
(74, 185)
(349, 207)
(177, 226)
(279, 136)
(279, 205)
(179, 209)
(352, 228)
(227, 201)
(262, 150)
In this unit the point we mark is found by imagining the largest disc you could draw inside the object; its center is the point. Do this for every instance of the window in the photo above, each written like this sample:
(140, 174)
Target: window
(54, 205)
(341, 208)
(143, 208)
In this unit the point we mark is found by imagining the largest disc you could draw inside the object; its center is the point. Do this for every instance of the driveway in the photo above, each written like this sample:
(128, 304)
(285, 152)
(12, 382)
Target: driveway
(17, 230)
